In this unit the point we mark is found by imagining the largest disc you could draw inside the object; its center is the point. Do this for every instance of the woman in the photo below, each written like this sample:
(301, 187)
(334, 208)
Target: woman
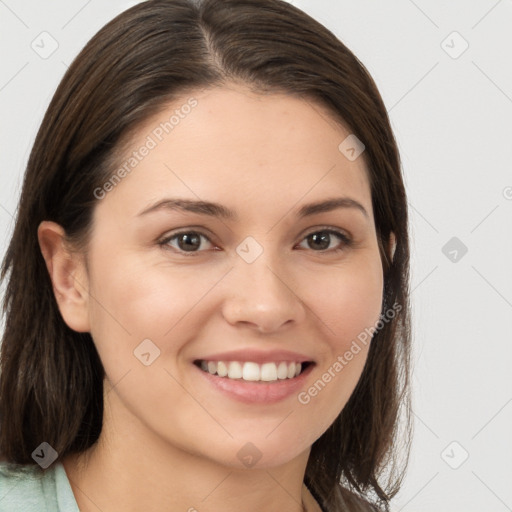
(207, 284)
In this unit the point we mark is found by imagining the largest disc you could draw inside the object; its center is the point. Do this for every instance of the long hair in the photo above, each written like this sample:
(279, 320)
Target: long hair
(51, 377)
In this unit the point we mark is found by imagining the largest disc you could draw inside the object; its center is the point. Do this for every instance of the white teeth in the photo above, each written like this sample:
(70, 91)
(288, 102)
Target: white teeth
(222, 369)
(250, 371)
(282, 370)
(268, 372)
(235, 370)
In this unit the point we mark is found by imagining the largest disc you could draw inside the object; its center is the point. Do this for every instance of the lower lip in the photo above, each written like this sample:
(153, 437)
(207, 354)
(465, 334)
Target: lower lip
(257, 392)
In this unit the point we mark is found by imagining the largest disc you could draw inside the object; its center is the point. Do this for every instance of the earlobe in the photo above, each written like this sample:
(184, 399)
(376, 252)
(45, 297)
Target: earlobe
(67, 274)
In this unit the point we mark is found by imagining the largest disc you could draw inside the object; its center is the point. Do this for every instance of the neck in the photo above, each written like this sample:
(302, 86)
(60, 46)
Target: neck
(131, 468)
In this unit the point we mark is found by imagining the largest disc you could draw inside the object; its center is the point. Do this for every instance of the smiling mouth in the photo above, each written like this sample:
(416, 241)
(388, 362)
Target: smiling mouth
(253, 372)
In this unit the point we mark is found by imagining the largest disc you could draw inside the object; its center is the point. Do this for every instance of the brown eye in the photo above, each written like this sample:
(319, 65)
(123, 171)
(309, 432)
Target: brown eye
(186, 241)
(321, 240)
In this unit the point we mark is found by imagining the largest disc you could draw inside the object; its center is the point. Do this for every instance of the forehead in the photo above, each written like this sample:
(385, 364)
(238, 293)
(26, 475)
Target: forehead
(242, 149)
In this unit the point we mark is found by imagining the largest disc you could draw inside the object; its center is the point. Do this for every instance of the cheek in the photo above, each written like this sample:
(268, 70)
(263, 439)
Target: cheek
(132, 302)
(347, 301)
(137, 301)
(132, 293)
(348, 309)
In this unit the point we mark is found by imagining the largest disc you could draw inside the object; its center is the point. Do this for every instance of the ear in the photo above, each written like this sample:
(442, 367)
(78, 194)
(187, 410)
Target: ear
(392, 245)
(68, 275)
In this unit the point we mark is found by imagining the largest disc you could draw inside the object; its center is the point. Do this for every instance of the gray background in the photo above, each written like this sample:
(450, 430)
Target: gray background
(450, 110)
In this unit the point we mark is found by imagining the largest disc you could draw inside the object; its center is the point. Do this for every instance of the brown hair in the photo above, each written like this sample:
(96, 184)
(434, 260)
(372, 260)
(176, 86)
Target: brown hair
(51, 378)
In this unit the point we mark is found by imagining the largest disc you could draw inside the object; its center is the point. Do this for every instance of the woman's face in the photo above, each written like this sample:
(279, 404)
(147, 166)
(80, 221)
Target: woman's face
(272, 283)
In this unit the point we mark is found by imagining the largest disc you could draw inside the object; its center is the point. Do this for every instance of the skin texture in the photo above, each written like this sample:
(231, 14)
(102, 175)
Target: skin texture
(170, 440)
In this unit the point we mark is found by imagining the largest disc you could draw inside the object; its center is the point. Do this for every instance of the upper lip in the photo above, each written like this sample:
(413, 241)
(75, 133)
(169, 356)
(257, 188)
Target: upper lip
(258, 356)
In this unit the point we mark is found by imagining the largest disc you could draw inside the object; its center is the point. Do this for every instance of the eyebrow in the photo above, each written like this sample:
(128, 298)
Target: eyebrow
(218, 210)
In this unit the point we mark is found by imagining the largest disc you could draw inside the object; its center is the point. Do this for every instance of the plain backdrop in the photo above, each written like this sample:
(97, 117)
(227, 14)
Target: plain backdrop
(444, 70)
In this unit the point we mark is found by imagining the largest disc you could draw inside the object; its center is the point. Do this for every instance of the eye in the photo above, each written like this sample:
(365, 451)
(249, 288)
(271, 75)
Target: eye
(189, 242)
(322, 240)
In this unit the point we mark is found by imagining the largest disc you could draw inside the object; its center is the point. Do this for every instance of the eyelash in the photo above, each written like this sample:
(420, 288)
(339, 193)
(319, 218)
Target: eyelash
(346, 241)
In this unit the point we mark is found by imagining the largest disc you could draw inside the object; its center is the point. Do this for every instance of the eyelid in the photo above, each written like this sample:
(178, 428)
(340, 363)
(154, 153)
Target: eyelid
(342, 231)
(346, 238)
(201, 231)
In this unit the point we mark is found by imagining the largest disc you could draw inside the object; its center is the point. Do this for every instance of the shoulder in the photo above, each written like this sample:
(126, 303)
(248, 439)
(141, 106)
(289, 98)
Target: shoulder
(28, 488)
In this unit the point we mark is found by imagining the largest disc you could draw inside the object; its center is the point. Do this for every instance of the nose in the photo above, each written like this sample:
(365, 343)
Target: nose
(262, 297)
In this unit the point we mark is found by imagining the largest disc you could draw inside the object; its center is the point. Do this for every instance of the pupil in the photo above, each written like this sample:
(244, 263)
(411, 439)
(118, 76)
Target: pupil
(187, 238)
(192, 241)
(323, 238)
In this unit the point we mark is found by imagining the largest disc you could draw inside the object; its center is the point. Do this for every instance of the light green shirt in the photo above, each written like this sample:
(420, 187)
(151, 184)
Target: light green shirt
(28, 488)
